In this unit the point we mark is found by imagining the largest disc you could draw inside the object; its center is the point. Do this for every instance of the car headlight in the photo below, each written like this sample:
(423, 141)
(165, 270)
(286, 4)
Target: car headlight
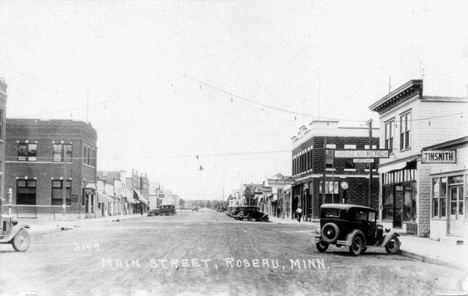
(14, 221)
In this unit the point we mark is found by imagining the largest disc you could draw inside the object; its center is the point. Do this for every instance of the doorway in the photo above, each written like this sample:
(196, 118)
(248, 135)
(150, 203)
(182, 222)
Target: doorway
(456, 211)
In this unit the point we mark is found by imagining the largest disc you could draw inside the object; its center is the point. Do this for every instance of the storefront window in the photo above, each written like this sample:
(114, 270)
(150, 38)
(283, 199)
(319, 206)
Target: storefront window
(387, 202)
(443, 196)
(435, 197)
(409, 202)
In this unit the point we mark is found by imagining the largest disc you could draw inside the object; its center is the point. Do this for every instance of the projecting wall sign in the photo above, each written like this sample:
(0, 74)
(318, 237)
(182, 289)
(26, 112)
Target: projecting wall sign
(439, 156)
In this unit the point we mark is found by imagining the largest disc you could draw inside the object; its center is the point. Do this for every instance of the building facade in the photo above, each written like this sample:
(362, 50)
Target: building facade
(3, 102)
(314, 164)
(51, 164)
(411, 121)
(448, 163)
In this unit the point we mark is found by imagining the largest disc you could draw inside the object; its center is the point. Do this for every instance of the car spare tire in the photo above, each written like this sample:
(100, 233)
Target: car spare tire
(330, 233)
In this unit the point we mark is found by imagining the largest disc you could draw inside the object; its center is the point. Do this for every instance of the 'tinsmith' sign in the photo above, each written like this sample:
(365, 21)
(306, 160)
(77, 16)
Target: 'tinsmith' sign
(439, 156)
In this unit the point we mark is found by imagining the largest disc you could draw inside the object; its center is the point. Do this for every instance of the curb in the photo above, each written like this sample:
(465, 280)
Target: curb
(431, 260)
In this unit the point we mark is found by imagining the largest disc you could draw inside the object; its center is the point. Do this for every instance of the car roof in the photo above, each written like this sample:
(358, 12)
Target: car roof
(346, 207)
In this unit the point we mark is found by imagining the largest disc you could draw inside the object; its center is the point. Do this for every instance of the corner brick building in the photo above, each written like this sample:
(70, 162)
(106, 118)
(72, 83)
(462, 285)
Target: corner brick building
(43, 157)
(3, 101)
(313, 162)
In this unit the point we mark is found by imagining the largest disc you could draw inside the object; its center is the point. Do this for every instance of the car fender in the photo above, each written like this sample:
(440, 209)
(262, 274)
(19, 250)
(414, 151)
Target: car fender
(12, 233)
(388, 236)
(352, 234)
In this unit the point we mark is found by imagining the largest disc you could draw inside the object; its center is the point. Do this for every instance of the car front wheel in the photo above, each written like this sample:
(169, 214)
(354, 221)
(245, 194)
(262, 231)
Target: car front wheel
(356, 246)
(321, 246)
(393, 245)
(21, 241)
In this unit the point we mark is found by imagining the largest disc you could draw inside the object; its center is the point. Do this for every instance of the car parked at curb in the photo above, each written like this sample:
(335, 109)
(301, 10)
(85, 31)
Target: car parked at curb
(13, 233)
(250, 213)
(355, 227)
(168, 210)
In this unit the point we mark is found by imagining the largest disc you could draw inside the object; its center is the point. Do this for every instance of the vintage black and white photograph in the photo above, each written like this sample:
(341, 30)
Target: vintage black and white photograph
(233, 147)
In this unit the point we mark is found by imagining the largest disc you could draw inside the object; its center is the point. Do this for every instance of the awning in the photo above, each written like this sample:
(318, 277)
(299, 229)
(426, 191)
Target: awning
(130, 199)
(392, 167)
(90, 187)
(103, 198)
(140, 197)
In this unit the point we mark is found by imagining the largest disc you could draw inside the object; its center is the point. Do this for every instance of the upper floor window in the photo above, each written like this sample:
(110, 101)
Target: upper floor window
(349, 146)
(1, 124)
(331, 146)
(27, 152)
(405, 131)
(62, 152)
(389, 134)
(349, 164)
(329, 159)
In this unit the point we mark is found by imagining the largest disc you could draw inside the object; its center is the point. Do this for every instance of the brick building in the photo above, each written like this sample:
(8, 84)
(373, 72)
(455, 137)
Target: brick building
(411, 121)
(313, 163)
(44, 157)
(3, 101)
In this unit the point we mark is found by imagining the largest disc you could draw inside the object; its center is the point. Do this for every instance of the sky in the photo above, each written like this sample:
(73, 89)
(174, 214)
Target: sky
(172, 86)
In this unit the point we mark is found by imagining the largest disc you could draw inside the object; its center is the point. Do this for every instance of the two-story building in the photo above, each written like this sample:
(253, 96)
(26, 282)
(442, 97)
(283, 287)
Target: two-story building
(3, 102)
(346, 180)
(44, 158)
(411, 121)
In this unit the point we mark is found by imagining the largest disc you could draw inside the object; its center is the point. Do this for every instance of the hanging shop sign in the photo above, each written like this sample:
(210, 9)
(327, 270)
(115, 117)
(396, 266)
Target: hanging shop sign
(379, 153)
(363, 160)
(274, 182)
(439, 156)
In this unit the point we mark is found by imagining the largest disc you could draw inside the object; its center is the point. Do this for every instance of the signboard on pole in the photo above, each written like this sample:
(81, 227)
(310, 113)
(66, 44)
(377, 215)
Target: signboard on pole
(379, 153)
(363, 160)
(439, 156)
(274, 182)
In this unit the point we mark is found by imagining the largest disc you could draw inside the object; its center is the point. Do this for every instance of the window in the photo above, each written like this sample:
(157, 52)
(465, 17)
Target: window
(387, 212)
(389, 134)
(329, 159)
(26, 192)
(361, 215)
(443, 197)
(405, 129)
(372, 217)
(332, 213)
(62, 152)
(349, 164)
(57, 192)
(435, 197)
(85, 155)
(349, 146)
(1, 124)
(331, 146)
(27, 152)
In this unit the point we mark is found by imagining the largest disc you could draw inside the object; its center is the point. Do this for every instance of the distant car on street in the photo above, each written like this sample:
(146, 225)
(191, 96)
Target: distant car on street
(250, 213)
(167, 210)
(353, 226)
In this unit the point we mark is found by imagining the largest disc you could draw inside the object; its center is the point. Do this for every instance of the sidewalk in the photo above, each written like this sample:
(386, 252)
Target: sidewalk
(43, 226)
(444, 253)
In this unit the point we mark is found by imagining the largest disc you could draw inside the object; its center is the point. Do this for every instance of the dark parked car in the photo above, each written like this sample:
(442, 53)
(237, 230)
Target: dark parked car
(163, 210)
(250, 213)
(355, 227)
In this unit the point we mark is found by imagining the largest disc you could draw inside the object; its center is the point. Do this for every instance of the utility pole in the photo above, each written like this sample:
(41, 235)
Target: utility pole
(64, 185)
(324, 169)
(370, 164)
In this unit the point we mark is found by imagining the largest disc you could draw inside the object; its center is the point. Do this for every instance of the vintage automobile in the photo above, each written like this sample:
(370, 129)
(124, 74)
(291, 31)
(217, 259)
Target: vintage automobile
(250, 213)
(13, 233)
(230, 210)
(167, 210)
(355, 227)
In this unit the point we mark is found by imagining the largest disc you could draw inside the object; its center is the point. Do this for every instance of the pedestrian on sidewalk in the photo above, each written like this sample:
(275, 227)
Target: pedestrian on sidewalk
(299, 214)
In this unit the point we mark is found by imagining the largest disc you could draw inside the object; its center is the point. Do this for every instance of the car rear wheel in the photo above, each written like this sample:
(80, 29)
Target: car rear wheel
(393, 246)
(330, 233)
(321, 246)
(357, 245)
(21, 241)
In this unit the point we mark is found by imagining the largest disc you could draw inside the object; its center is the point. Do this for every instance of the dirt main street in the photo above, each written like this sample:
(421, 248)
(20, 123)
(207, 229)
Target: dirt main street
(207, 253)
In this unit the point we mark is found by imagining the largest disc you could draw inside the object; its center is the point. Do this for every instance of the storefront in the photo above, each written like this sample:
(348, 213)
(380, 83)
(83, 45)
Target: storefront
(399, 196)
(449, 190)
